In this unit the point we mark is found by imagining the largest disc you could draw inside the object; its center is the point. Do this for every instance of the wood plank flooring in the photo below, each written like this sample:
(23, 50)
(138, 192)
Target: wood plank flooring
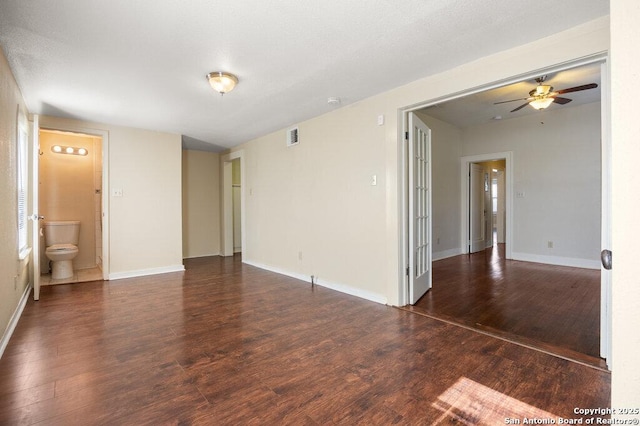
(554, 308)
(226, 343)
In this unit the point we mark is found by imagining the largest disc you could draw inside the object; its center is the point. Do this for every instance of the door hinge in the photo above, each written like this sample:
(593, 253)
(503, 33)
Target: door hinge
(407, 271)
(406, 136)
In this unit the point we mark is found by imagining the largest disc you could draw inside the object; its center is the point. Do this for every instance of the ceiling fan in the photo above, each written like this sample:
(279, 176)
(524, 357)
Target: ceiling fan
(543, 95)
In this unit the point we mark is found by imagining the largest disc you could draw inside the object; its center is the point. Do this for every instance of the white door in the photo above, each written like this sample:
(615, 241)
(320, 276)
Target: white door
(476, 208)
(501, 207)
(35, 215)
(419, 208)
(488, 222)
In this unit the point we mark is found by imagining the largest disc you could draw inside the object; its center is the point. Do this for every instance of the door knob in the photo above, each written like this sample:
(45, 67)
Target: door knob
(605, 257)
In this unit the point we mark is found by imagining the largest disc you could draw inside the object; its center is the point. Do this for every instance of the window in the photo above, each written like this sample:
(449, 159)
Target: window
(23, 181)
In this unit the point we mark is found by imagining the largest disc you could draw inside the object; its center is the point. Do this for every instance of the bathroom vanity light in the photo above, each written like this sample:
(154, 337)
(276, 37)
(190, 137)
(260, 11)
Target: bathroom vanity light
(69, 150)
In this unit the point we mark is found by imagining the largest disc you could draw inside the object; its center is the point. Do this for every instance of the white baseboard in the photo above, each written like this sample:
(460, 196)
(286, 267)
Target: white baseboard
(446, 254)
(342, 288)
(557, 260)
(13, 322)
(145, 272)
(203, 255)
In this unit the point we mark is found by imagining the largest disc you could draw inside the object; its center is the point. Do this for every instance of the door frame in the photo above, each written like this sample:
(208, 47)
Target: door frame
(226, 217)
(464, 199)
(601, 58)
(104, 135)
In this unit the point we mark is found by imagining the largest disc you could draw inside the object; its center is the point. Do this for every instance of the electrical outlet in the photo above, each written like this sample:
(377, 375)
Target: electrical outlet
(374, 180)
(299, 255)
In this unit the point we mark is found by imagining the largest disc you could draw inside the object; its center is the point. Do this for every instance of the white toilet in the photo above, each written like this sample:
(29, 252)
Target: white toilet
(61, 240)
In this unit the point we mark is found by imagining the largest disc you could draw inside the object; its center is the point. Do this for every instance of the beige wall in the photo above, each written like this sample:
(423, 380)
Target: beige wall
(67, 190)
(310, 209)
(557, 166)
(200, 203)
(625, 92)
(13, 273)
(145, 223)
(446, 149)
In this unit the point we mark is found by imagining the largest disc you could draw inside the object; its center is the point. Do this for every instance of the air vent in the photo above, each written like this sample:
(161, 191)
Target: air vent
(292, 137)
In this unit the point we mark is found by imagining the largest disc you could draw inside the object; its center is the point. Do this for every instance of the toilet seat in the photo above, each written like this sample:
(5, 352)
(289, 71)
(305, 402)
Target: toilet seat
(61, 248)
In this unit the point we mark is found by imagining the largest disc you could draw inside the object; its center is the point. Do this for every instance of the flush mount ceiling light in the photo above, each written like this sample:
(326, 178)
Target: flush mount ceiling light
(222, 82)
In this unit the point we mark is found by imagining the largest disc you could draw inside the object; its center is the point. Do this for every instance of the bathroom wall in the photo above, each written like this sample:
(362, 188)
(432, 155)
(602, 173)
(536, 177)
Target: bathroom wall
(68, 189)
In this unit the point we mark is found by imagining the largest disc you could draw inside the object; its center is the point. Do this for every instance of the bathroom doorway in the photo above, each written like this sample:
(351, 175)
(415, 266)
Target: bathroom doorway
(70, 189)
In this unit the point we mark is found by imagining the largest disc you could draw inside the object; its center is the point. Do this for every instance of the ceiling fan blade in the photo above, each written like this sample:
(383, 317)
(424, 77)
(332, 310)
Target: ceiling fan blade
(561, 101)
(577, 88)
(512, 100)
(520, 107)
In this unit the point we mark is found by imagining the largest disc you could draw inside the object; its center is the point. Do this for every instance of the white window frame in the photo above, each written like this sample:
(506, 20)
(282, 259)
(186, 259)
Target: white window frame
(22, 185)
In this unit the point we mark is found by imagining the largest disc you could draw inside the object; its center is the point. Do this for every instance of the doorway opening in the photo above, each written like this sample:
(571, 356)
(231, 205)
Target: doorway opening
(517, 193)
(70, 170)
(487, 203)
(233, 204)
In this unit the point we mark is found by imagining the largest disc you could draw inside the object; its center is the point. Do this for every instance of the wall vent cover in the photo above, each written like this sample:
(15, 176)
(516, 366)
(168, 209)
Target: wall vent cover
(293, 137)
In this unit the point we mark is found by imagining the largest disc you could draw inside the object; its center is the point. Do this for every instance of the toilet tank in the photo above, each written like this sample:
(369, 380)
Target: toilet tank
(61, 232)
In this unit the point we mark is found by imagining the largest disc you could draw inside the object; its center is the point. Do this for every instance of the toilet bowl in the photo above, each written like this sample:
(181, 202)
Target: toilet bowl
(61, 240)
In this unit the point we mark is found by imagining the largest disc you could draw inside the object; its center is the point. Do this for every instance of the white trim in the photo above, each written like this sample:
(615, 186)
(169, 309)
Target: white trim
(447, 254)
(145, 272)
(574, 262)
(464, 201)
(13, 322)
(342, 288)
(606, 215)
(204, 255)
(24, 253)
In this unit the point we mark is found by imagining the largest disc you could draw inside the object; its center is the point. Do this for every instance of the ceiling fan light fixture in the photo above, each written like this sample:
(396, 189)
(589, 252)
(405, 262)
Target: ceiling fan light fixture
(222, 82)
(541, 103)
(541, 90)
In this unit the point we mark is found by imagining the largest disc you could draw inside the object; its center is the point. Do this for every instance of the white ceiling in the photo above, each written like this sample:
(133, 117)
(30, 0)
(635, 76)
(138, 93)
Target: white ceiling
(143, 63)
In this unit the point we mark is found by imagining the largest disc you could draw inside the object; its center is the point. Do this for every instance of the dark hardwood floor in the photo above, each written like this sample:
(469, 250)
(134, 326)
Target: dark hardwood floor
(553, 308)
(227, 343)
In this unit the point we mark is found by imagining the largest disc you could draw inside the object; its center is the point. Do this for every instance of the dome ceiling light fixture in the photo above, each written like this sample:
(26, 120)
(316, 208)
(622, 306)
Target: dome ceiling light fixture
(222, 82)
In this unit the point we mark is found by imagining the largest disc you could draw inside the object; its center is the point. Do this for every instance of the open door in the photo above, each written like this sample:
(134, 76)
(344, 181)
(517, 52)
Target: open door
(419, 208)
(476, 208)
(35, 215)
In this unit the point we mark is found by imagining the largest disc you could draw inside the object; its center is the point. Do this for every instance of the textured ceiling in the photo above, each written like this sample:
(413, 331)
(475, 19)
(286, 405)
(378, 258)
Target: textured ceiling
(142, 63)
